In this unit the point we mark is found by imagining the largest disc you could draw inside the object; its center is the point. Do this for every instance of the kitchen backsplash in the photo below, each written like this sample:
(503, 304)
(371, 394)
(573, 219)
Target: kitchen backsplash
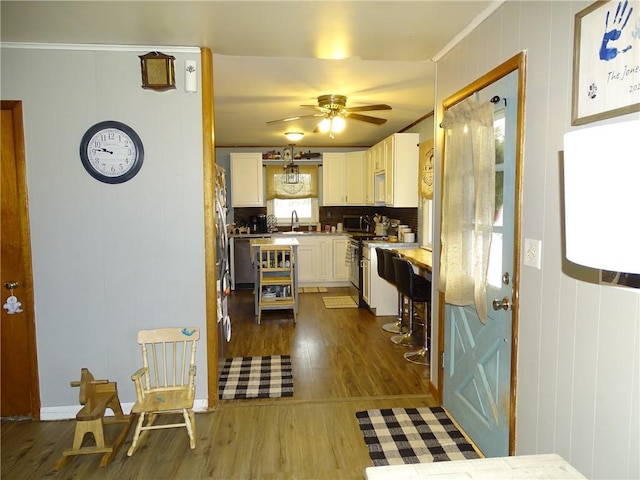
(333, 215)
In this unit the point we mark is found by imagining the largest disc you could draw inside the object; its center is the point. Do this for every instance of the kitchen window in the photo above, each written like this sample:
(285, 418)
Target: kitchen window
(283, 197)
(306, 208)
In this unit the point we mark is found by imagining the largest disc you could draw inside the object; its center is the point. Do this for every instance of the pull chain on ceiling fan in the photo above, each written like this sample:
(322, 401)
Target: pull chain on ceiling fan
(333, 109)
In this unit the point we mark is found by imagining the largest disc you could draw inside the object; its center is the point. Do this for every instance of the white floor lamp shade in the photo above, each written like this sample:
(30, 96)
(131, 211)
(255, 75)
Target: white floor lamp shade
(602, 196)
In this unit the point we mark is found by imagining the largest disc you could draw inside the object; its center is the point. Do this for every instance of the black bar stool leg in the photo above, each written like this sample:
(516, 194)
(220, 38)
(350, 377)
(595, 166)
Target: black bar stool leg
(421, 357)
(396, 327)
(407, 339)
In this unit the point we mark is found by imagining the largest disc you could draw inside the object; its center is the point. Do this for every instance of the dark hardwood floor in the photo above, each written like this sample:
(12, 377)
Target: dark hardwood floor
(343, 362)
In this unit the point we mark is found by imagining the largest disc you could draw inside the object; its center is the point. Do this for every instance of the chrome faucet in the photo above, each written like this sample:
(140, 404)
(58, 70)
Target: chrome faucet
(293, 224)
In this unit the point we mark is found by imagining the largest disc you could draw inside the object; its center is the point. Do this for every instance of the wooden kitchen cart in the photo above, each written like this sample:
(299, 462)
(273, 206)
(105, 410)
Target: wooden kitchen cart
(276, 274)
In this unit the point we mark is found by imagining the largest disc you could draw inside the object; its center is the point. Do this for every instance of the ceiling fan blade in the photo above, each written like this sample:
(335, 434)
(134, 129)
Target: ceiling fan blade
(368, 108)
(366, 118)
(291, 119)
(314, 107)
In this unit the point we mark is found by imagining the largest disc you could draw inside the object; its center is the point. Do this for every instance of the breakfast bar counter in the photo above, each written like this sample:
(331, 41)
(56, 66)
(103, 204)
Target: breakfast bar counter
(420, 257)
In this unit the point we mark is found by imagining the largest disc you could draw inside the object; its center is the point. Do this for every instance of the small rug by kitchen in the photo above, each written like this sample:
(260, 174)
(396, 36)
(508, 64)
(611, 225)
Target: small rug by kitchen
(395, 436)
(339, 302)
(313, 290)
(256, 377)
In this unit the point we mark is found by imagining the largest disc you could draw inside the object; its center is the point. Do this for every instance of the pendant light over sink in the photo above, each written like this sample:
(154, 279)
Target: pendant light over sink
(291, 171)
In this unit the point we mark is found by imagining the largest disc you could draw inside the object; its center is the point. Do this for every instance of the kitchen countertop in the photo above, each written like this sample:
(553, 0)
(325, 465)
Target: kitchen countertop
(303, 233)
(284, 241)
(522, 467)
(249, 235)
(388, 244)
(420, 257)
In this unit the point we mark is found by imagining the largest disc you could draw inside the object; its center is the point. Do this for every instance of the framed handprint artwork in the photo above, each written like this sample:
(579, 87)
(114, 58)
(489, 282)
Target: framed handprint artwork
(606, 61)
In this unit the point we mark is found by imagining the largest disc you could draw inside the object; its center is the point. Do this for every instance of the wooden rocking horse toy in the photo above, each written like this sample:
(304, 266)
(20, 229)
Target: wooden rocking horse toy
(96, 396)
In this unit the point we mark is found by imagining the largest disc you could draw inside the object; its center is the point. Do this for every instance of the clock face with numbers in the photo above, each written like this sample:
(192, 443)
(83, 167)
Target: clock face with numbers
(111, 152)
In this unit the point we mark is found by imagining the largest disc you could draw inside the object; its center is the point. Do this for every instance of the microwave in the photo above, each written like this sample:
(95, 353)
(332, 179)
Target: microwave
(354, 223)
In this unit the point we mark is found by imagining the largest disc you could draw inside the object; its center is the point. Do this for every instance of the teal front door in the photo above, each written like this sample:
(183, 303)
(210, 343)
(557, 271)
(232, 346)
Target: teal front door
(477, 357)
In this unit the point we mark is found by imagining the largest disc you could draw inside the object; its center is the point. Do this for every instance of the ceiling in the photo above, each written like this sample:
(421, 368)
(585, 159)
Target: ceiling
(272, 56)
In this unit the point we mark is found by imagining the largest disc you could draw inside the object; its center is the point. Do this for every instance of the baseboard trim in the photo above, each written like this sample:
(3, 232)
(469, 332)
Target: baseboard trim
(68, 412)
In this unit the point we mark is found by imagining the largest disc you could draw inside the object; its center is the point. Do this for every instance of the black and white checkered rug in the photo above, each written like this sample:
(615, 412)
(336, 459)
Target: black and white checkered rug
(395, 436)
(256, 377)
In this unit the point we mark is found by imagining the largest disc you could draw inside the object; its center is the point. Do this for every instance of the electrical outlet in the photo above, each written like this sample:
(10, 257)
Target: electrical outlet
(533, 253)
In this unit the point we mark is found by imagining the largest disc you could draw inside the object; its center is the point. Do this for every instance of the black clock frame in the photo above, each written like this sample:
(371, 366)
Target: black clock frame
(137, 162)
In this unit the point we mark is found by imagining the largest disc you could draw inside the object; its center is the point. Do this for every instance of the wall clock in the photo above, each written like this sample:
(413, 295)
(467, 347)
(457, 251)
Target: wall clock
(111, 152)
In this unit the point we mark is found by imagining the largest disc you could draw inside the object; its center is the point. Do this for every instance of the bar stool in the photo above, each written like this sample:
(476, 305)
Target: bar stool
(389, 275)
(417, 289)
(421, 357)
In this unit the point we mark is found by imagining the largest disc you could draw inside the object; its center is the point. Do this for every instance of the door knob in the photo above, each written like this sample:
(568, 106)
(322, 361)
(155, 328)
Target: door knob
(11, 285)
(501, 304)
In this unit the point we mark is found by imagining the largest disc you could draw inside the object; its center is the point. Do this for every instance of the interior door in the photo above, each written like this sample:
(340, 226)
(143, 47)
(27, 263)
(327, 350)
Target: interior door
(478, 381)
(19, 383)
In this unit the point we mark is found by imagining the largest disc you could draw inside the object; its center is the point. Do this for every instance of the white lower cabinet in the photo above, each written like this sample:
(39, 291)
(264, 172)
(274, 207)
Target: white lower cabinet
(321, 260)
(306, 270)
(340, 265)
(383, 297)
(366, 268)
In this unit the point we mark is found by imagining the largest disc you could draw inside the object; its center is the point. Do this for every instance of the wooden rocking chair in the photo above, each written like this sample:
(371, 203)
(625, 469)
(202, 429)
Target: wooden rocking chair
(165, 383)
(96, 396)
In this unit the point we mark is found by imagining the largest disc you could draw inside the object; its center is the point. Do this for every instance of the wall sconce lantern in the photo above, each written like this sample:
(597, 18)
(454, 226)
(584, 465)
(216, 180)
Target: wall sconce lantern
(158, 71)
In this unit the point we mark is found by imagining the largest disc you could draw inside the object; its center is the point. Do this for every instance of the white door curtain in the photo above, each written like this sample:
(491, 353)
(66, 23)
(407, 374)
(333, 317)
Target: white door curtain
(468, 203)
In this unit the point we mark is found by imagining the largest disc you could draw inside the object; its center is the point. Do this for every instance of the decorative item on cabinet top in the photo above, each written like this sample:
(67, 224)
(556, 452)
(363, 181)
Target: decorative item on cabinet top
(276, 155)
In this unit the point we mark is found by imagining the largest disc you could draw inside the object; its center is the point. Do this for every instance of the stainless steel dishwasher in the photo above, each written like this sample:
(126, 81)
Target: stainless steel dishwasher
(242, 274)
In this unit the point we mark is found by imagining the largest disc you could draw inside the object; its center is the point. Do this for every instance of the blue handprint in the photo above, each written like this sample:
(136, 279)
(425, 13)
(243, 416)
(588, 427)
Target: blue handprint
(607, 53)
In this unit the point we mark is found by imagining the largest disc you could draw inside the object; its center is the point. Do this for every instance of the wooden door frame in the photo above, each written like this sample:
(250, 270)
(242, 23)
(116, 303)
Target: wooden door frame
(516, 63)
(26, 290)
(208, 163)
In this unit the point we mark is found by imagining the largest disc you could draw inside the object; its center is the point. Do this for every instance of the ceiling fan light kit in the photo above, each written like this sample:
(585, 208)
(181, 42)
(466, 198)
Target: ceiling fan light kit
(325, 125)
(334, 112)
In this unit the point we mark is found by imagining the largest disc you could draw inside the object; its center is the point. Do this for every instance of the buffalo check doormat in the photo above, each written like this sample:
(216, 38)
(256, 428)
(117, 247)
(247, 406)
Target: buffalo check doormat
(256, 377)
(395, 436)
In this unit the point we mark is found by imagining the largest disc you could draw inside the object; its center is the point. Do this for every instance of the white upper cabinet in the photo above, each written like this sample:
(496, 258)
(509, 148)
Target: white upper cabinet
(333, 178)
(247, 180)
(355, 180)
(368, 178)
(343, 178)
(396, 185)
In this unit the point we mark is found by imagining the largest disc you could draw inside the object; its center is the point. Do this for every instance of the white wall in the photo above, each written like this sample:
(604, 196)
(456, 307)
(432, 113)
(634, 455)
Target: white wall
(108, 260)
(579, 345)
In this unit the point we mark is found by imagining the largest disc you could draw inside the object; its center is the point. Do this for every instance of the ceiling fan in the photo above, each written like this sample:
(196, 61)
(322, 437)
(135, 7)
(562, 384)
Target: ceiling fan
(333, 110)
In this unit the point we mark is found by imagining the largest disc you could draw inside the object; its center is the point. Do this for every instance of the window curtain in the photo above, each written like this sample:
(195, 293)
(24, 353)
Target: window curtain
(307, 186)
(467, 204)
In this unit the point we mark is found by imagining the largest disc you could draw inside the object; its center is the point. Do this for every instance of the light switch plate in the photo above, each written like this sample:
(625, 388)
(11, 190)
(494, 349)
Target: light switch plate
(533, 253)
